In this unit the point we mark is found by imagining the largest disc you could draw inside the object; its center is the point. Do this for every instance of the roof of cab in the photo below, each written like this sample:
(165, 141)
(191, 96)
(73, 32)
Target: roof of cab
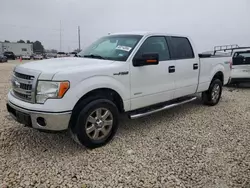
(243, 49)
(146, 33)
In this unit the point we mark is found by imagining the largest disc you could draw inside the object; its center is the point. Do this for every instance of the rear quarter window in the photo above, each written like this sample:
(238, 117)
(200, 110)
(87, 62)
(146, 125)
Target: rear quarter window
(241, 58)
(242, 54)
(181, 48)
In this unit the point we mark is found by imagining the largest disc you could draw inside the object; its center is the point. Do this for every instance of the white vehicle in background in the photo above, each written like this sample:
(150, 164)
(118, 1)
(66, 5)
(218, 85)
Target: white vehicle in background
(50, 55)
(73, 54)
(26, 57)
(38, 56)
(241, 66)
(133, 73)
(61, 54)
(240, 62)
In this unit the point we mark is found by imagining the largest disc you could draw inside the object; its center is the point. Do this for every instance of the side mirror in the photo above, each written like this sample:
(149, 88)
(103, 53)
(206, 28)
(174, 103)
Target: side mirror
(146, 59)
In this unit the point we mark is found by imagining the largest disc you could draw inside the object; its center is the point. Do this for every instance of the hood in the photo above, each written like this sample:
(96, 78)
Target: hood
(49, 67)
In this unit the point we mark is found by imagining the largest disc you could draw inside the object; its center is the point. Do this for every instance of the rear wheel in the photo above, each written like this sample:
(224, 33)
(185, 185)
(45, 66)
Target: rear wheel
(96, 123)
(212, 96)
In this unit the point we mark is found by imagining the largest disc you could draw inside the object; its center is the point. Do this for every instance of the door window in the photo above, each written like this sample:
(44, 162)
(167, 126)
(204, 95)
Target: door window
(155, 44)
(182, 48)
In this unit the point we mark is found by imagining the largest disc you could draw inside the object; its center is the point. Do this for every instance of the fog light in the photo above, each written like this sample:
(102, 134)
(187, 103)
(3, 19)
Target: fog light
(41, 121)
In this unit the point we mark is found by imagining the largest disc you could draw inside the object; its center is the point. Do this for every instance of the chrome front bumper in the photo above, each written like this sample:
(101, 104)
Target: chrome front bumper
(40, 120)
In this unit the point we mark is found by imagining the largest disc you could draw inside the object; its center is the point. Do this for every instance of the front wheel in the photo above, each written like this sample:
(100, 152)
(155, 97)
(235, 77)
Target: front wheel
(212, 96)
(96, 123)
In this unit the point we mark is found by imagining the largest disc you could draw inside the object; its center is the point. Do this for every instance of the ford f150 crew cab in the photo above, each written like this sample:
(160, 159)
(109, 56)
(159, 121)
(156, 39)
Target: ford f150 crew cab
(134, 73)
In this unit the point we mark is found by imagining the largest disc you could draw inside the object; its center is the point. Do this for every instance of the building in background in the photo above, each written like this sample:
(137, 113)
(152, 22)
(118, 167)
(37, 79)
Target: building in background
(17, 48)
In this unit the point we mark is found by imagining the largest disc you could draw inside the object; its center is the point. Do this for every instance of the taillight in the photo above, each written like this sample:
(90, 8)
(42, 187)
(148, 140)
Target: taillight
(231, 64)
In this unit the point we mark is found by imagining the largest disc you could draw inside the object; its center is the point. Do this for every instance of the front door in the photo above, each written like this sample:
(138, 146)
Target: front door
(154, 83)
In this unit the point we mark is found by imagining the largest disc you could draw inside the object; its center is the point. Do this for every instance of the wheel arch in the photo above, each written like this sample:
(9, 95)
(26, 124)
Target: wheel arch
(92, 95)
(107, 93)
(218, 75)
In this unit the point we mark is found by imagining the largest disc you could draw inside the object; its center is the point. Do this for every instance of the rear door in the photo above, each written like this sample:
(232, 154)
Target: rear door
(241, 65)
(186, 66)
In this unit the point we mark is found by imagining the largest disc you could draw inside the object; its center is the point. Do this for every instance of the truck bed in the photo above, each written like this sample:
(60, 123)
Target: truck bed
(209, 65)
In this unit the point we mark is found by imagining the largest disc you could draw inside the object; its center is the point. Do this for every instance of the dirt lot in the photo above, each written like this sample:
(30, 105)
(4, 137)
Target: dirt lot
(188, 146)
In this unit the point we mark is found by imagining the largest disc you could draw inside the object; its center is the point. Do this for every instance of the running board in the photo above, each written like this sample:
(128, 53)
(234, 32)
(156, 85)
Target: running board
(139, 115)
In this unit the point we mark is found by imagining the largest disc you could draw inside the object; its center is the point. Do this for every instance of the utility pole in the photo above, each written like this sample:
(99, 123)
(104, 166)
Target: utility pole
(60, 35)
(79, 39)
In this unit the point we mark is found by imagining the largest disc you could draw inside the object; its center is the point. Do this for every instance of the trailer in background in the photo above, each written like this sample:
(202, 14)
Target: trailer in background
(19, 49)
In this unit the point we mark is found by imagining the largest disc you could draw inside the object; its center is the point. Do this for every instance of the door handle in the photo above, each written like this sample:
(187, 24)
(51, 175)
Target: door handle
(195, 66)
(171, 69)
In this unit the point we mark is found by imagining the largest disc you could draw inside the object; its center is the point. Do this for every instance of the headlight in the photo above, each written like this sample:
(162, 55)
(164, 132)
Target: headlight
(50, 89)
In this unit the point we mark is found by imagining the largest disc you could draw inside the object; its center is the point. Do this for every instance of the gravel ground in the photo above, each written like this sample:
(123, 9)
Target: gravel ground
(188, 146)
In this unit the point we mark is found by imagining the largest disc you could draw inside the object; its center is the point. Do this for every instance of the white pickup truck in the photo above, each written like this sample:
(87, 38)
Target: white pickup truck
(134, 73)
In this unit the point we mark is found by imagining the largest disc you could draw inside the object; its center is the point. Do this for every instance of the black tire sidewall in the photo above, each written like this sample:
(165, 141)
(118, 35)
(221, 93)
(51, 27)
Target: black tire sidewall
(208, 98)
(79, 128)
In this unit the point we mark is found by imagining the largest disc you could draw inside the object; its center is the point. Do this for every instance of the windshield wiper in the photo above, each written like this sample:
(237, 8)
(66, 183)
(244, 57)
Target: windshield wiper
(94, 56)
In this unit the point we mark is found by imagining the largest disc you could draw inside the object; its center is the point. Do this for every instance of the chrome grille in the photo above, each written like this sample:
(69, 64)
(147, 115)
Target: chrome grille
(22, 86)
(23, 76)
(25, 86)
(22, 96)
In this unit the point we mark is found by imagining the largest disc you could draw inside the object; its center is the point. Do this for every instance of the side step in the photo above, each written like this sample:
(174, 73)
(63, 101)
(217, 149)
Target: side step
(146, 113)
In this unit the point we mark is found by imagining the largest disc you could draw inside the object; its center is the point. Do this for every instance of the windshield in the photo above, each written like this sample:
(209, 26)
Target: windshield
(113, 47)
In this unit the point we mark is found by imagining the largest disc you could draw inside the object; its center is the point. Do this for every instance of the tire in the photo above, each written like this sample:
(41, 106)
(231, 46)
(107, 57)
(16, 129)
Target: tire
(101, 128)
(212, 96)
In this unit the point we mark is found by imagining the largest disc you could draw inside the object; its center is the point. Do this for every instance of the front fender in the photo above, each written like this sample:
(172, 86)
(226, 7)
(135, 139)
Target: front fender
(98, 82)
